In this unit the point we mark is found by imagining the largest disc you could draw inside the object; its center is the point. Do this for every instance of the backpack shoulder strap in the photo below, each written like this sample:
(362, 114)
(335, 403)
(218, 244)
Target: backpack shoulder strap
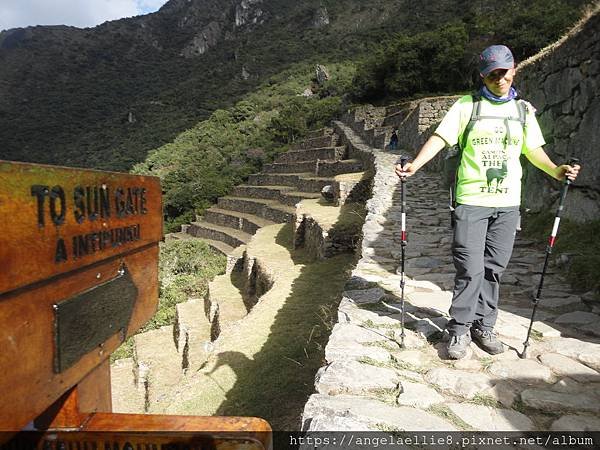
(475, 116)
(523, 108)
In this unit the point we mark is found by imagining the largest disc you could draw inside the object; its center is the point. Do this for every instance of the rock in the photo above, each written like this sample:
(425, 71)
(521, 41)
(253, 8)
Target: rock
(349, 312)
(585, 352)
(422, 286)
(545, 330)
(559, 401)
(577, 318)
(566, 385)
(576, 422)
(437, 303)
(442, 280)
(411, 339)
(485, 418)
(511, 330)
(428, 327)
(373, 412)
(424, 262)
(325, 423)
(558, 302)
(413, 358)
(566, 367)
(463, 384)
(327, 192)
(525, 371)
(358, 283)
(418, 395)
(346, 342)
(321, 72)
(373, 295)
(592, 328)
(410, 375)
(508, 313)
(591, 359)
(353, 377)
(591, 298)
(471, 365)
(508, 355)
(504, 392)
(206, 39)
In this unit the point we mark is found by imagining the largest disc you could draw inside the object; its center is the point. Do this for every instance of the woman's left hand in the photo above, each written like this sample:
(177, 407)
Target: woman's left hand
(567, 171)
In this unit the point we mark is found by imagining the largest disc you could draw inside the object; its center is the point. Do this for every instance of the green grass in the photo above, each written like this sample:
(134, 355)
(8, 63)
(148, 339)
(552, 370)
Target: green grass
(519, 406)
(185, 269)
(388, 396)
(372, 362)
(485, 400)
(445, 413)
(486, 362)
(397, 364)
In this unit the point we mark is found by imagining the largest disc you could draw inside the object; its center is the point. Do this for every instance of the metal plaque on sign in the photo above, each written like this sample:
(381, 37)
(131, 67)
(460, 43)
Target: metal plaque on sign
(86, 321)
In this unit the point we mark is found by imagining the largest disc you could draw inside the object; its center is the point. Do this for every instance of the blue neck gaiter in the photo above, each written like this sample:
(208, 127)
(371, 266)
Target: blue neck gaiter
(485, 92)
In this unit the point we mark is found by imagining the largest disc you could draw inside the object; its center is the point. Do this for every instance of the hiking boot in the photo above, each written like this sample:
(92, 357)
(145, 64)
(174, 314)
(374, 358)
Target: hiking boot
(487, 341)
(458, 344)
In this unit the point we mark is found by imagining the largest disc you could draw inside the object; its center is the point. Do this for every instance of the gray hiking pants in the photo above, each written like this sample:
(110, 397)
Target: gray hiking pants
(483, 243)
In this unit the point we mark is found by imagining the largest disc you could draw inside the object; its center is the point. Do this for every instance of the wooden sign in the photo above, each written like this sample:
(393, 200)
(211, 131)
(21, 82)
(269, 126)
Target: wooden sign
(150, 432)
(57, 219)
(78, 274)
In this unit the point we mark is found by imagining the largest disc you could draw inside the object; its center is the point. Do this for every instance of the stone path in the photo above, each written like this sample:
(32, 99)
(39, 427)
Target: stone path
(370, 383)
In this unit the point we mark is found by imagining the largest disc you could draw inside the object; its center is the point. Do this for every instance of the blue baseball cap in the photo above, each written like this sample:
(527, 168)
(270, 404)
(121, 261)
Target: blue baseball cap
(495, 57)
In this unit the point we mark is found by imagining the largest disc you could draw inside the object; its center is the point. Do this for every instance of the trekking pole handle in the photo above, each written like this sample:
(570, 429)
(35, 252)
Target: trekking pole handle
(403, 161)
(571, 162)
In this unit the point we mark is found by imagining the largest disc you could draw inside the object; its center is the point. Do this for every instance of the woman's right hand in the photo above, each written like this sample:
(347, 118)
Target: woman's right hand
(407, 171)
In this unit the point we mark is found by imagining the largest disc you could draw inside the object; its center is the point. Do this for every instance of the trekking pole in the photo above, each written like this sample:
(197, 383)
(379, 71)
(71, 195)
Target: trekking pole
(549, 247)
(403, 242)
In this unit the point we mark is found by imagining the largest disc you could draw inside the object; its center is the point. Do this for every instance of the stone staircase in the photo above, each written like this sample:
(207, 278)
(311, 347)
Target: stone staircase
(163, 357)
(270, 197)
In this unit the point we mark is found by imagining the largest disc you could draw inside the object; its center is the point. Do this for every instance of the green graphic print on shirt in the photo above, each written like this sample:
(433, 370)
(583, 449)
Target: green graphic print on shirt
(490, 170)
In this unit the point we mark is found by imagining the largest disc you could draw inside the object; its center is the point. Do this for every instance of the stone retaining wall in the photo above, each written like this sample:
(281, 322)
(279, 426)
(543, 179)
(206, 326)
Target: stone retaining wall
(563, 82)
(420, 123)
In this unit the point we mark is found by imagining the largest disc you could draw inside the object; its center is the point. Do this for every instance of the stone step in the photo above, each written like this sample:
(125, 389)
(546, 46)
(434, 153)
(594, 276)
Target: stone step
(248, 223)
(178, 236)
(127, 396)
(158, 364)
(267, 209)
(312, 154)
(316, 142)
(291, 167)
(266, 192)
(219, 246)
(229, 236)
(284, 194)
(291, 198)
(332, 168)
(224, 303)
(327, 131)
(304, 182)
(192, 333)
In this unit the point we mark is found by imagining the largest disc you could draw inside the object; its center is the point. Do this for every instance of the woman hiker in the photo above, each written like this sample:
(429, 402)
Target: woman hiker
(492, 129)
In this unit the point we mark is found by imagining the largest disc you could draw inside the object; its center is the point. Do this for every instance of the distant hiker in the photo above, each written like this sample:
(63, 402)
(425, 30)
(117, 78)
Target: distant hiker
(491, 137)
(394, 140)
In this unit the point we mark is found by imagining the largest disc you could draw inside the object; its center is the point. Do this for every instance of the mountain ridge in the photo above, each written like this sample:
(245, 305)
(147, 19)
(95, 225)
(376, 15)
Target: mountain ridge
(103, 97)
